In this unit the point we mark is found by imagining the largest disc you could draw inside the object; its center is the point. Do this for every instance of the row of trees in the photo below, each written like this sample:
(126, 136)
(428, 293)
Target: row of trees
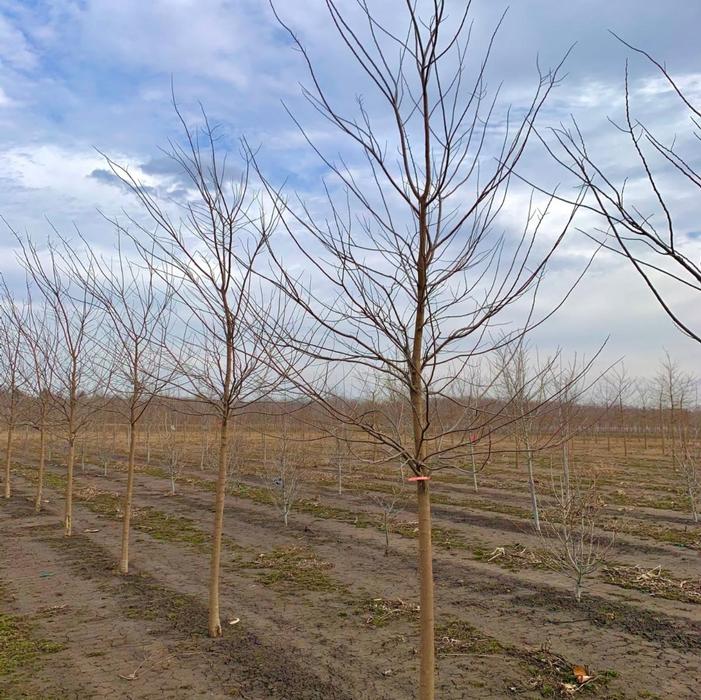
(399, 280)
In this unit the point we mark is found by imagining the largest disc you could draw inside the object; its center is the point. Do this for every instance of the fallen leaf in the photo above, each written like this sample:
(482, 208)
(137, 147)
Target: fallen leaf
(581, 673)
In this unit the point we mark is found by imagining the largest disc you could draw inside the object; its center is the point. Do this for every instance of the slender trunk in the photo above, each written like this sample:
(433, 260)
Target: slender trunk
(339, 467)
(474, 466)
(625, 443)
(215, 629)
(426, 674)
(8, 461)
(128, 496)
(566, 470)
(42, 460)
(578, 590)
(148, 446)
(692, 502)
(426, 614)
(531, 486)
(68, 515)
(386, 523)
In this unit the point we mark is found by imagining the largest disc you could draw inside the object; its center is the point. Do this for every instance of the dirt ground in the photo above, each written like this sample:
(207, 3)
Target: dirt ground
(316, 610)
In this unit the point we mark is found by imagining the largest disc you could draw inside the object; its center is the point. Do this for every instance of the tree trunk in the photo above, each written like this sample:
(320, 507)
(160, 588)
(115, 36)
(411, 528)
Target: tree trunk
(8, 462)
(474, 467)
(40, 475)
(128, 496)
(68, 514)
(419, 418)
(692, 502)
(215, 629)
(426, 672)
(566, 469)
(386, 523)
(531, 486)
(339, 467)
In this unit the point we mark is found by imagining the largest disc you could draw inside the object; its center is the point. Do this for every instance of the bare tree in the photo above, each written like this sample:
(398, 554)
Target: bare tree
(173, 454)
(208, 251)
(104, 456)
(77, 372)
(644, 392)
(139, 311)
(571, 532)
(689, 465)
(391, 503)
(675, 393)
(41, 340)
(526, 392)
(11, 380)
(645, 226)
(284, 473)
(619, 386)
(406, 270)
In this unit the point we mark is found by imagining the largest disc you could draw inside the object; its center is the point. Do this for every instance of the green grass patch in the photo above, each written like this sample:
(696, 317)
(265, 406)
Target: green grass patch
(380, 612)
(455, 636)
(169, 528)
(295, 567)
(19, 649)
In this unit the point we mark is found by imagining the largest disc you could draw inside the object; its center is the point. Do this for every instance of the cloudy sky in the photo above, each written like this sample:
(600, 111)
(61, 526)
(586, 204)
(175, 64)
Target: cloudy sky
(81, 75)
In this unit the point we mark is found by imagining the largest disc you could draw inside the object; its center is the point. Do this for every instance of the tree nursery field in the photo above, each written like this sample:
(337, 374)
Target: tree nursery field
(349, 350)
(326, 607)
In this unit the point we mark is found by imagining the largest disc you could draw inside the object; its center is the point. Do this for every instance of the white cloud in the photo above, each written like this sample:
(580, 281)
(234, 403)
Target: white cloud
(15, 50)
(5, 99)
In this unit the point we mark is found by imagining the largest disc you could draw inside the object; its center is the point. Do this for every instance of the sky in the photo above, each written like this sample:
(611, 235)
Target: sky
(82, 78)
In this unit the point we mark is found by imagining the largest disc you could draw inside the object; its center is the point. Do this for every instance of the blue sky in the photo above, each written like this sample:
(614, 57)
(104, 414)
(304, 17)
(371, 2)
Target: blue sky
(76, 75)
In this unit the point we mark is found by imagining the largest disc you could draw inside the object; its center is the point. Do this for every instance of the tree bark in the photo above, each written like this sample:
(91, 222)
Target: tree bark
(8, 462)
(70, 462)
(215, 629)
(531, 486)
(427, 615)
(42, 462)
(128, 496)
(474, 467)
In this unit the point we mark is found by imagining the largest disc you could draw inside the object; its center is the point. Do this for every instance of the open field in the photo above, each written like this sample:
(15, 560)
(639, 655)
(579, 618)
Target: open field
(322, 612)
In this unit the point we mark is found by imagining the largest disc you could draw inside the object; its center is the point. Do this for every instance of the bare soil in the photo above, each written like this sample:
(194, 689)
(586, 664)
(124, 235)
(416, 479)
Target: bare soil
(319, 611)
